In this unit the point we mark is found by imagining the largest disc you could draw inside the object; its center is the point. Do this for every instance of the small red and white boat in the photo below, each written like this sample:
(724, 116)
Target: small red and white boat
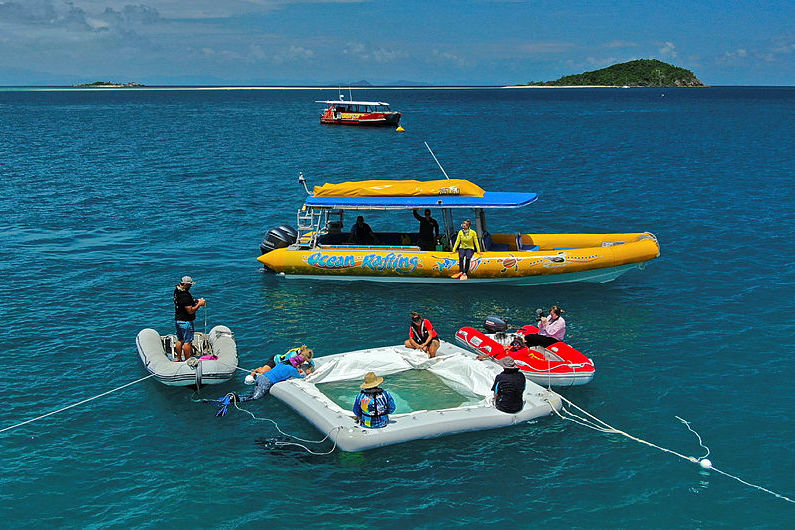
(374, 113)
(557, 365)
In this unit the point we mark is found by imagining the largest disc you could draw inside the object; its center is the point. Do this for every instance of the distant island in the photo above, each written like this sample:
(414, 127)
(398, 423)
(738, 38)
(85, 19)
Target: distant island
(638, 73)
(107, 84)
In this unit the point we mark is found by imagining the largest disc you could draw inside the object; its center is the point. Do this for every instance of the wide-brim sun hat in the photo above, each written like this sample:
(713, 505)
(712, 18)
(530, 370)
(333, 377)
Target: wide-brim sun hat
(371, 380)
(187, 280)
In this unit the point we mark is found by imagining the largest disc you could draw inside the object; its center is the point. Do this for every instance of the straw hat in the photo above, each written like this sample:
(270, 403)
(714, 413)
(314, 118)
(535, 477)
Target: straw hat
(371, 380)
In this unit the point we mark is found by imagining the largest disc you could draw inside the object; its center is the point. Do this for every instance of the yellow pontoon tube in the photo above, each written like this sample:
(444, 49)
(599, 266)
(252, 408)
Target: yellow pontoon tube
(319, 248)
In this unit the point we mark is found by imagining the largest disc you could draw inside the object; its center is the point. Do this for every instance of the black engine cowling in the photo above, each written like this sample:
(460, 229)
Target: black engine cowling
(495, 324)
(279, 237)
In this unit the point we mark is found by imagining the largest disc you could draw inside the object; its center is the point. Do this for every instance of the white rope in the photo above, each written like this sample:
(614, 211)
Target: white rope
(76, 404)
(595, 423)
(687, 424)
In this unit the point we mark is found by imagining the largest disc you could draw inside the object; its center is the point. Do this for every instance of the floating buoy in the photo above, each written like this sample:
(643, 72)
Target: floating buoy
(705, 463)
(249, 380)
(400, 129)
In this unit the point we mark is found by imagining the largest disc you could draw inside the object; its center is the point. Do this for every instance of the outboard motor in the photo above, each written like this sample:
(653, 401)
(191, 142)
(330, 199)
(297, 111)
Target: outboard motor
(495, 324)
(280, 237)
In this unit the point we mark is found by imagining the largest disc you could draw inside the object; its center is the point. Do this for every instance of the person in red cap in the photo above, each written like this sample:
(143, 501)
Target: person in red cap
(185, 307)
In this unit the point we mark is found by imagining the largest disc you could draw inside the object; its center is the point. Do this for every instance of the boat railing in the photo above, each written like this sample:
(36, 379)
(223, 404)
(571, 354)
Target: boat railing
(308, 223)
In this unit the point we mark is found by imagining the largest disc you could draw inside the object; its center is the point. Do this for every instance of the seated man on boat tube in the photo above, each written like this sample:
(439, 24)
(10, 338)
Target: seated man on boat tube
(509, 387)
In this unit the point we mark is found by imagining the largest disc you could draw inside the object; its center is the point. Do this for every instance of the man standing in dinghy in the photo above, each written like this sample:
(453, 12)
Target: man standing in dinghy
(185, 307)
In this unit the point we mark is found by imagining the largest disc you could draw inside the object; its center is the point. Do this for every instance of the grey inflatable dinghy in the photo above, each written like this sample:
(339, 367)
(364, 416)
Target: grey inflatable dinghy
(214, 357)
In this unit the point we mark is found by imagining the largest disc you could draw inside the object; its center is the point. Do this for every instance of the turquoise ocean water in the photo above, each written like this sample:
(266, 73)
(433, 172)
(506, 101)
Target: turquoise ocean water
(108, 197)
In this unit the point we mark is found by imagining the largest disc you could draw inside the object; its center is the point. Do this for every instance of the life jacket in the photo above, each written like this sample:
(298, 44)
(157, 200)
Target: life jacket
(374, 403)
(421, 335)
(281, 357)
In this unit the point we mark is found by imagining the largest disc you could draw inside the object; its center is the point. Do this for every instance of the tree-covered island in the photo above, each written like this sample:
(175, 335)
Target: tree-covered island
(638, 73)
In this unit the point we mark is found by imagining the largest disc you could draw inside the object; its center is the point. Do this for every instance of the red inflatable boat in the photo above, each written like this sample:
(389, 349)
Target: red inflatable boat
(557, 365)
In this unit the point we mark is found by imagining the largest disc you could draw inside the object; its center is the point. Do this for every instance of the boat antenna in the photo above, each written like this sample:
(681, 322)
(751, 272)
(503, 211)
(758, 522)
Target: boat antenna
(350, 94)
(302, 180)
(437, 160)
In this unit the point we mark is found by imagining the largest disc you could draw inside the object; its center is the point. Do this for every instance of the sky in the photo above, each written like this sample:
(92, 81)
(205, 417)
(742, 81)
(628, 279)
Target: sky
(433, 42)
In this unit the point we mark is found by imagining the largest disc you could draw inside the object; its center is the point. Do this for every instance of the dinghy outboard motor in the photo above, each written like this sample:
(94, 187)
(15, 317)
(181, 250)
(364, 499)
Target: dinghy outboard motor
(280, 237)
(495, 324)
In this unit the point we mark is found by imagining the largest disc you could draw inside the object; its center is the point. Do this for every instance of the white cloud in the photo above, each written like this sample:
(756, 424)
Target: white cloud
(293, 53)
(601, 62)
(376, 54)
(779, 51)
(447, 57)
(668, 50)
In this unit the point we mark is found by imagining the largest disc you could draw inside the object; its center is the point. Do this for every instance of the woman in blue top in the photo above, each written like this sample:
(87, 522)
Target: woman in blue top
(264, 381)
(373, 404)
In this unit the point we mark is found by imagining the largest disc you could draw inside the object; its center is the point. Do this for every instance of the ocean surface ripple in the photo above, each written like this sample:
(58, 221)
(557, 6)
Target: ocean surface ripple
(109, 197)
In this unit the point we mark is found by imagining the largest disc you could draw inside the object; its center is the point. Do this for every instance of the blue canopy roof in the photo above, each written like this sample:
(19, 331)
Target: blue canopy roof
(490, 199)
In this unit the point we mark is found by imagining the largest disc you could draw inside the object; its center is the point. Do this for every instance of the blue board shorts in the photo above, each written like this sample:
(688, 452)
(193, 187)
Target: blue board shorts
(184, 330)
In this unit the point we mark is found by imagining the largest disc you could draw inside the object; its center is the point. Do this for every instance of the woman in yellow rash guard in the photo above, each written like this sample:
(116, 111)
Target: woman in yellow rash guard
(467, 244)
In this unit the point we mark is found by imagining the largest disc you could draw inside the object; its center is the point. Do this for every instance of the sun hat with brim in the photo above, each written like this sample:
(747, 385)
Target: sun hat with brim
(187, 280)
(371, 380)
(507, 362)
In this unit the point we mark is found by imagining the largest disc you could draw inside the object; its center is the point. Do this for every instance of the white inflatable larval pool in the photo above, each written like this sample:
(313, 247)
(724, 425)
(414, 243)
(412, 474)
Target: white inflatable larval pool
(457, 368)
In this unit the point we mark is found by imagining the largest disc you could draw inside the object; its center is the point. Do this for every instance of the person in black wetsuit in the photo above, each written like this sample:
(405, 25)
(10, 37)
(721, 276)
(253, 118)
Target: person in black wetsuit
(185, 307)
(362, 234)
(508, 387)
(429, 230)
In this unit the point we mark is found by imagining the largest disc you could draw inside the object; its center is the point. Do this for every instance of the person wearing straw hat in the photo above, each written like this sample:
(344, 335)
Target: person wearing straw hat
(509, 387)
(373, 404)
(185, 307)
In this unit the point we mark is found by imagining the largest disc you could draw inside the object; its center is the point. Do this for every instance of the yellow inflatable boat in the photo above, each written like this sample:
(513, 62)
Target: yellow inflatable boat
(319, 248)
